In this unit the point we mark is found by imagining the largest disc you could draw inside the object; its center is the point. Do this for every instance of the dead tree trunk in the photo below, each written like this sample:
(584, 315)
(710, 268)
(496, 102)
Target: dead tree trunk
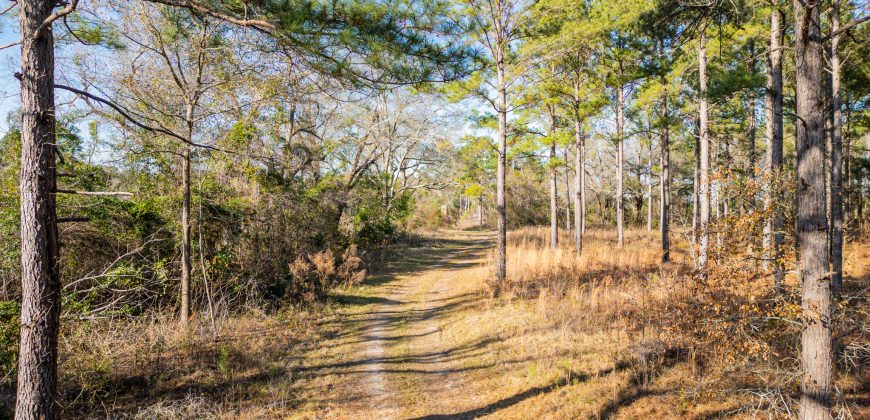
(773, 237)
(816, 352)
(40, 274)
(704, 176)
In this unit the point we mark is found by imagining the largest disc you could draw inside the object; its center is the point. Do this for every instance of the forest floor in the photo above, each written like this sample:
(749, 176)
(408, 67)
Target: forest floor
(423, 340)
(420, 338)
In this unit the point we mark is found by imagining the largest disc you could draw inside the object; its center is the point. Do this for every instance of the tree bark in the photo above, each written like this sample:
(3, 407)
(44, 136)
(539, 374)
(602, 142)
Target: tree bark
(750, 131)
(186, 266)
(620, 210)
(40, 272)
(501, 109)
(696, 184)
(582, 184)
(847, 173)
(816, 351)
(836, 188)
(665, 178)
(649, 189)
(704, 176)
(579, 208)
(554, 199)
(567, 191)
(480, 211)
(773, 236)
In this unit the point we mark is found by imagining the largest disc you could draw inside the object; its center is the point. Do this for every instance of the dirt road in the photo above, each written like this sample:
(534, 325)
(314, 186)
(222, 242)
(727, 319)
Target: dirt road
(422, 340)
(387, 356)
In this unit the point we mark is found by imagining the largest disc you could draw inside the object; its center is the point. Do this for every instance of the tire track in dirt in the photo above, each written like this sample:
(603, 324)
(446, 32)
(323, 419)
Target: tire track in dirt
(383, 355)
(428, 375)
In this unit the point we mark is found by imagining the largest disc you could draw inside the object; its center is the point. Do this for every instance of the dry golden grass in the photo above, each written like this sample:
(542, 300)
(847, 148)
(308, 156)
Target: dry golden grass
(726, 346)
(613, 333)
(150, 368)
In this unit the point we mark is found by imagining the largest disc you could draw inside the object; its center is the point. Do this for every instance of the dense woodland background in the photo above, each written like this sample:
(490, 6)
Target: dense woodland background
(211, 169)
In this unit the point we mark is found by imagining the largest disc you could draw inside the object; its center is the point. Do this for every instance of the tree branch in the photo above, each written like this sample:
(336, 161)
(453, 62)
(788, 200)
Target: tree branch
(73, 219)
(9, 45)
(127, 116)
(258, 24)
(6, 10)
(847, 27)
(71, 7)
(99, 193)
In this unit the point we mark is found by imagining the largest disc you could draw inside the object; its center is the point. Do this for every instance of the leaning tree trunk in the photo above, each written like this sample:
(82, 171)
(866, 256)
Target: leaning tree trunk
(665, 178)
(578, 186)
(704, 175)
(816, 352)
(620, 147)
(836, 158)
(773, 235)
(554, 199)
(501, 240)
(40, 273)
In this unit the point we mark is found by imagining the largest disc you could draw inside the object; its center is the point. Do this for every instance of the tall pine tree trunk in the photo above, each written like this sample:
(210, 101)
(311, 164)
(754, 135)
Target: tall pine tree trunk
(186, 266)
(696, 186)
(582, 184)
(620, 148)
(554, 199)
(704, 175)
(501, 109)
(567, 190)
(750, 130)
(665, 178)
(816, 351)
(579, 208)
(836, 158)
(480, 211)
(40, 272)
(847, 174)
(649, 189)
(773, 236)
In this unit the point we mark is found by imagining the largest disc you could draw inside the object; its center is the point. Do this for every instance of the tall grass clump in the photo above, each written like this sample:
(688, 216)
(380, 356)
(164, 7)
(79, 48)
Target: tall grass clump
(735, 332)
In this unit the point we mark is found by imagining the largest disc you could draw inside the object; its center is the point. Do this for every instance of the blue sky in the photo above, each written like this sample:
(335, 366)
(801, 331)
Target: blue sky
(9, 63)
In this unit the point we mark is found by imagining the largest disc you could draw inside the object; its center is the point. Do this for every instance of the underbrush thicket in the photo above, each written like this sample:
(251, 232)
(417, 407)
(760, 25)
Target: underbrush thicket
(261, 240)
(737, 334)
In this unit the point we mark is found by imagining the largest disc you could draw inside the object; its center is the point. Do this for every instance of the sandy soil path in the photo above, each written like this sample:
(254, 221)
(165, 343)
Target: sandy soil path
(386, 356)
